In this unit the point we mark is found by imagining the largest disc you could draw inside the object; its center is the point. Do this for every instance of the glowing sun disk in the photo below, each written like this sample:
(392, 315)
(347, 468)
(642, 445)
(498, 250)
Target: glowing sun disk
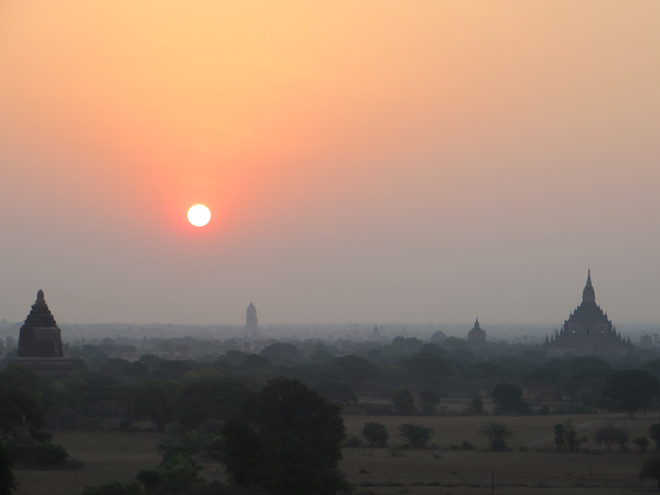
(199, 215)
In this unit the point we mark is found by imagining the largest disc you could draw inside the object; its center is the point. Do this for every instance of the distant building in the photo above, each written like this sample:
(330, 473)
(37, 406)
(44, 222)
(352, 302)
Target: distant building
(438, 337)
(477, 335)
(251, 321)
(40, 343)
(587, 330)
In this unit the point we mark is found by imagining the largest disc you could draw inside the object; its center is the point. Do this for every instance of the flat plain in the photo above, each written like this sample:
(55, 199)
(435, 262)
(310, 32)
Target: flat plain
(531, 466)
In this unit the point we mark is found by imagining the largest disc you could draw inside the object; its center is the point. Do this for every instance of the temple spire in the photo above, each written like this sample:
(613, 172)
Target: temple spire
(588, 294)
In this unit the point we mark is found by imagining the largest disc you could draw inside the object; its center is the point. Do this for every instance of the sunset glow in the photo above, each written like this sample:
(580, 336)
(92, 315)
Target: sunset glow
(371, 161)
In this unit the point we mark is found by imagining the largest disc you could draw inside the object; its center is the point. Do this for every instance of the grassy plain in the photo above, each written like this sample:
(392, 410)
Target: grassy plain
(107, 456)
(536, 469)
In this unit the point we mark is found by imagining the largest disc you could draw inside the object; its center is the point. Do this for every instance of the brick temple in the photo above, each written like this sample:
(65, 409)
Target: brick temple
(40, 343)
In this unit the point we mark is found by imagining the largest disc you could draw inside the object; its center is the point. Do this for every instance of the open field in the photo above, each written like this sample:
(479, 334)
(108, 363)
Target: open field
(119, 456)
(539, 470)
(107, 456)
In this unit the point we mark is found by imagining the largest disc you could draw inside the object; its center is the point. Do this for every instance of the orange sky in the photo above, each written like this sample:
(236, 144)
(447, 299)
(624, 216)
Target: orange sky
(371, 161)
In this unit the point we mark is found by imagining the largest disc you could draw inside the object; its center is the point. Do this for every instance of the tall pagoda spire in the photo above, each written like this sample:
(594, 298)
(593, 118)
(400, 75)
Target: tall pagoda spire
(588, 294)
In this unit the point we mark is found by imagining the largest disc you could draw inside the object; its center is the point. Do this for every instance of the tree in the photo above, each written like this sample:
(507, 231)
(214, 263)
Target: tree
(629, 391)
(404, 401)
(16, 405)
(114, 488)
(611, 434)
(282, 354)
(428, 399)
(651, 469)
(476, 405)
(566, 437)
(642, 443)
(174, 475)
(508, 398)
(288, 442)
(209, 397)
(375, 434)
(654, 434)
(155, 400)
(90, 394)
(336, 391)
(415, 436)
(7, 480)
(497, 434)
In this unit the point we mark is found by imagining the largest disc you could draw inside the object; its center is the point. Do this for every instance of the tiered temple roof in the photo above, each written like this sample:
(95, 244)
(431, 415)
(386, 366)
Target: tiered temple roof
(477, 334)
(40, 342)
(588, 330)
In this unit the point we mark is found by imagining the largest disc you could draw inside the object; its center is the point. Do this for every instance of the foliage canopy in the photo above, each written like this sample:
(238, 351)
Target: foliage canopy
(288, 442)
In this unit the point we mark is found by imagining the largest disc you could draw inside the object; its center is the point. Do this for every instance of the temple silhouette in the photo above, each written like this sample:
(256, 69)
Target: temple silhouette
(587, 330)
(251, 321)
(40, 342)
(477, 335)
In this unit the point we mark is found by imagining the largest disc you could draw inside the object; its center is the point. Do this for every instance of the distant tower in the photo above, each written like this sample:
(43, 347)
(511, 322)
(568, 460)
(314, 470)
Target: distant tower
(251, 321)
(477, 335)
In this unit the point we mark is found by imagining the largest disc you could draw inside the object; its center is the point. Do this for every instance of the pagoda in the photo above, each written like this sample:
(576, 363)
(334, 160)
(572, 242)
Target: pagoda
(477, 335)
(40, 343)
(587, 330)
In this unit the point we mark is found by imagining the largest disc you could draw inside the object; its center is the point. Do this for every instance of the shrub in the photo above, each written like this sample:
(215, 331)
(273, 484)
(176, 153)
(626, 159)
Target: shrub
(375, 434)
(415, 436)
(611, 434)
(497, 434)
(352, 441)
(566, 437)
(404, 401)
(114, 488)
(176, 473)
(651, 469)
(654, 434)
(508, 398)
(467, 445)
(37, 454)
(7, 479)
(642, 443)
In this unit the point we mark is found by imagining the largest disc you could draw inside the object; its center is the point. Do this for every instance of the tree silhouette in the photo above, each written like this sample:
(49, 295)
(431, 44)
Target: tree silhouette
(375, 434)
(508, 398)
(416, 436)
(497, 434)
(611, 434)
(651, 469)
(287, 443)
(404, 401)
(629, 390)
(7, 480)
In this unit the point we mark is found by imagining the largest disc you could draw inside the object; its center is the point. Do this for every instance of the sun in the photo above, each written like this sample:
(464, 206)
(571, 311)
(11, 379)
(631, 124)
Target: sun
(199, 215)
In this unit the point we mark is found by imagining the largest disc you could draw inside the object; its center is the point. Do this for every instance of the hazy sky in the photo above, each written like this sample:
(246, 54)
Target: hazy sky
(374, 161)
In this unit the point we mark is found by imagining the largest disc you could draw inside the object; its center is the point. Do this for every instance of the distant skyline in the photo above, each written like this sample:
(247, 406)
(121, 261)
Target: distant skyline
(369, 162)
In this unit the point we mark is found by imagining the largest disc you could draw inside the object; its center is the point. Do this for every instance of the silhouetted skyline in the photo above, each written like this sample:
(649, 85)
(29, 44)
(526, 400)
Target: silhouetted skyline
(371, 162)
